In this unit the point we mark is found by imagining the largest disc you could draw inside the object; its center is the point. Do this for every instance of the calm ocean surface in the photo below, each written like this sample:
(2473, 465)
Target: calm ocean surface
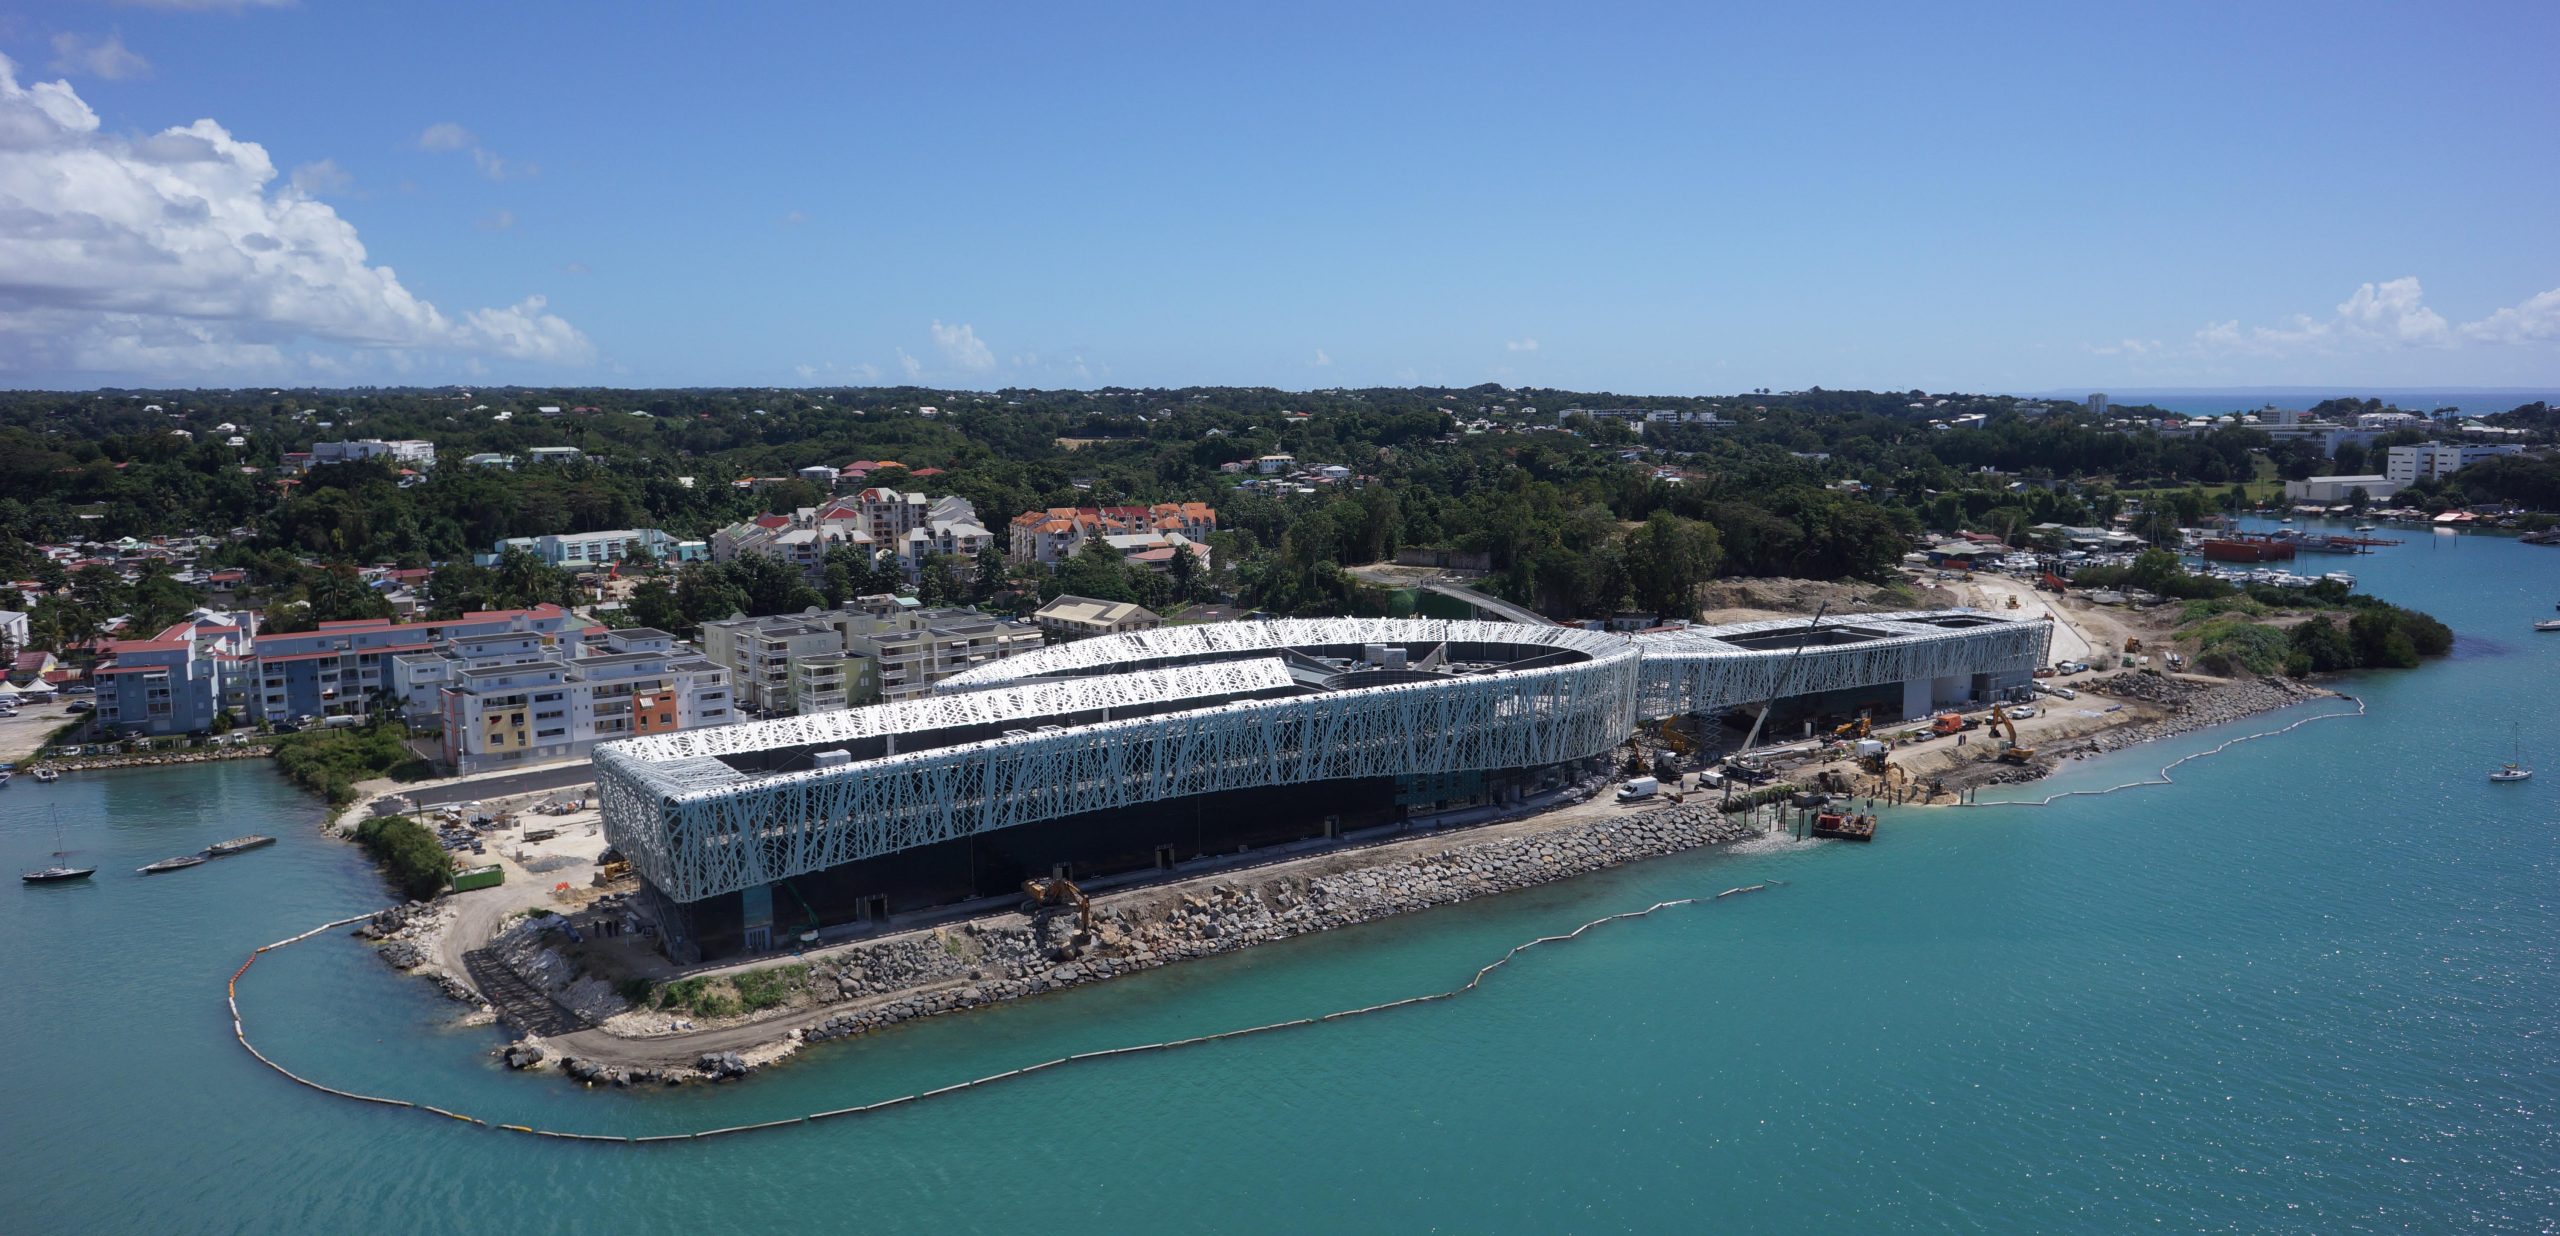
(2314, 986)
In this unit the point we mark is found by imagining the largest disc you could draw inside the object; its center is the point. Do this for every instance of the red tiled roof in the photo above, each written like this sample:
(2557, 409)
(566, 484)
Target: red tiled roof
(149, 645)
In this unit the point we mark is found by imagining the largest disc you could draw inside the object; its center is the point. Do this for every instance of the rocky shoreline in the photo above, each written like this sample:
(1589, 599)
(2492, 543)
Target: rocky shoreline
(94, 763)
(2193, 705)
(1008, 957)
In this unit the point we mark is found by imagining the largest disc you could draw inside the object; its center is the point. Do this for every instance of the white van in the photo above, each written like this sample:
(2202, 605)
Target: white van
(1638, 789)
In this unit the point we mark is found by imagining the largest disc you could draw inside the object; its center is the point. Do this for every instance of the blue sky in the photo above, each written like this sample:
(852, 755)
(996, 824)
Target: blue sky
(1634, 198)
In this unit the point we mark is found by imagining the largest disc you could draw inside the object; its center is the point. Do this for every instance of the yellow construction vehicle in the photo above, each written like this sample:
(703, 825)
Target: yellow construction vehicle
(2010, 751)
(2132, 645)
(1854, 729)
(1043, 892)
(1668, 732)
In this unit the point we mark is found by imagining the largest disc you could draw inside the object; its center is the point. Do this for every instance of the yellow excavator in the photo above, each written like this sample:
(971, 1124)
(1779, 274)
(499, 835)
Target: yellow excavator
(1042, 892)
(1854, 729)
(2010, 751)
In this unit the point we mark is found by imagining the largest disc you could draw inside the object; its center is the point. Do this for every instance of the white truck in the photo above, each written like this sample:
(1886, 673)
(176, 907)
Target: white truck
(1638, 789)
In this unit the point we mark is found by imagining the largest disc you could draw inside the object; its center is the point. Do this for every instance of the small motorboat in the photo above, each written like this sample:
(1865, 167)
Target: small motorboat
(180, 863)
(5, 774)
(2547, 624)
(45, 774)
(2364, 527)
(58, 874)
(225, 849)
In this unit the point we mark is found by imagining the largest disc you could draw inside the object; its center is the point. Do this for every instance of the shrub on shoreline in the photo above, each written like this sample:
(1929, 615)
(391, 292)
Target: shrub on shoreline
(408, 853)
(330, 762)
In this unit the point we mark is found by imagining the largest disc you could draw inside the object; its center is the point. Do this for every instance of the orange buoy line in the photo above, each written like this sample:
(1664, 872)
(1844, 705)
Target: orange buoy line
(239, 1031)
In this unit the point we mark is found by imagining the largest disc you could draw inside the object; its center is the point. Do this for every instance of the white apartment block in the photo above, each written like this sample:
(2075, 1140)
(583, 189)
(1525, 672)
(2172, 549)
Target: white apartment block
(759, 654)
(413, 452)
(2408, 465)
(499, 714)
(875, 648)
(910, 526)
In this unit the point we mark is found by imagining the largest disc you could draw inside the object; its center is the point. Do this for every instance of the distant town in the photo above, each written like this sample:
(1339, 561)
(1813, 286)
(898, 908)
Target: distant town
(514, 579)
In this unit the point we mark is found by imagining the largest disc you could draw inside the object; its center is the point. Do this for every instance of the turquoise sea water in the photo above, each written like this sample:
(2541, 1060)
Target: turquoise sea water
(2314, 986)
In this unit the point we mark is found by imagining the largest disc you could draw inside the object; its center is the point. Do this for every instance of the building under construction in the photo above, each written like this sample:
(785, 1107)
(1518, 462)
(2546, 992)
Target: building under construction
(1150, 749)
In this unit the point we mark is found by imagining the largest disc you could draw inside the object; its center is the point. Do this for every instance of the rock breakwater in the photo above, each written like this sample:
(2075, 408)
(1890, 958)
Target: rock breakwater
(1007, 957)
(2193, 705)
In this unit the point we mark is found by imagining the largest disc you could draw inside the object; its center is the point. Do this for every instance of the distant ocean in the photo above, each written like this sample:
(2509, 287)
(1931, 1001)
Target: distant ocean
(2474, 401)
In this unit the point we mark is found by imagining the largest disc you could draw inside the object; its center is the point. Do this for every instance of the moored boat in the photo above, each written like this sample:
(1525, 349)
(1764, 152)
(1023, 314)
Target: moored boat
(180, 863)
(57, 874)
(2547, 624)
(224, 849)
(45, 774)
(2513, 769)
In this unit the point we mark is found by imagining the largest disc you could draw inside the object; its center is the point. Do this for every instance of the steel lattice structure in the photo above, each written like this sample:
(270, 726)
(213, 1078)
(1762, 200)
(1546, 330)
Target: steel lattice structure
(1167, 714)
(1702, 670)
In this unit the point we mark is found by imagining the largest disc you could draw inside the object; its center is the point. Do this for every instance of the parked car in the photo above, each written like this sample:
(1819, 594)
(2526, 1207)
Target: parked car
(79, 688)
(2023, 711)
(82, 706)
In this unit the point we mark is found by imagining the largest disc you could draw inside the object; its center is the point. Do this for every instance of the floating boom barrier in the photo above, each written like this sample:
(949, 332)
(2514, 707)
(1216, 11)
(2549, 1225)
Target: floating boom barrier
(240, 1032)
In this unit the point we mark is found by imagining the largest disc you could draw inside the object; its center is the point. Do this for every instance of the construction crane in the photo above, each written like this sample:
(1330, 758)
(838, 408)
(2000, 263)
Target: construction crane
(1043, 892)
(2010, 751)
(1777, 688)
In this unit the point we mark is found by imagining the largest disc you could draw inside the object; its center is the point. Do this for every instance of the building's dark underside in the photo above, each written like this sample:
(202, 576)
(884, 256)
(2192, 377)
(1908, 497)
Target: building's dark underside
(1083, 847)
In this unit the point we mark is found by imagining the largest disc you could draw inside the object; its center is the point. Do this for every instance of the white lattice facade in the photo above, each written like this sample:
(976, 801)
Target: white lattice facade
(1153, 716)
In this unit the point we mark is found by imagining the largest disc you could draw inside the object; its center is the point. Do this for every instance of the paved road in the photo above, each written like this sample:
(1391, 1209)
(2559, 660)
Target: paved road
(534, 782)
(1493, 605)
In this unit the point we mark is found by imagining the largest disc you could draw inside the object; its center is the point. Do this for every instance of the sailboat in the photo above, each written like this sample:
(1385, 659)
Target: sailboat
(59, 873)
(2513, 769)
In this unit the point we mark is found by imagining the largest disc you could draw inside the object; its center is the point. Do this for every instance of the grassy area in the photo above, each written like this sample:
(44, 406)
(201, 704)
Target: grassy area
(727, 995)
(330, 762)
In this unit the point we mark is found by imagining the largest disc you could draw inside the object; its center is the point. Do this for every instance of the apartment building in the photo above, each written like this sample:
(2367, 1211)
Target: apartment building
(874, 648)
(588, 549)
(910, 526)
(560, 706)
(1047, 536)
(176, 682)
(2434, 461)
(759, 654)
(1073, 617)
(346, 667)
(411, 452)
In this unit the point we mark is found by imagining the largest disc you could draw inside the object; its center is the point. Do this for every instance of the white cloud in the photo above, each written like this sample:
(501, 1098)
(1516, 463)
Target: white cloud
(794, 218)
(170, 255)
(1519, 345)
(446, 136)
(2382, 318)
(498, 221)
(2376, 316)
(574, 268)
(2391, 312)
(108, 57)
(2535, 321)
(325, 176)
(2122, 347)
(961, 346)
(1321, 361)
(910, 365)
